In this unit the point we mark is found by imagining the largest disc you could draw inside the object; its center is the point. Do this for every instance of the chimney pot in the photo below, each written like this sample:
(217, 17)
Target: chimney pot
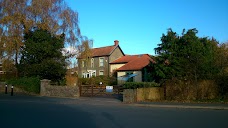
(116, 42)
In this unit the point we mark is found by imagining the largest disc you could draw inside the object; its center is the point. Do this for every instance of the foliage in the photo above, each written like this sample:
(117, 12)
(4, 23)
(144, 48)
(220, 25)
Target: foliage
(222, 82)
(134, 85)
(42, 56)
(85, 53)
(20, 16)
(187, 56)
(96, 80)
(29, 84)
(222, 77)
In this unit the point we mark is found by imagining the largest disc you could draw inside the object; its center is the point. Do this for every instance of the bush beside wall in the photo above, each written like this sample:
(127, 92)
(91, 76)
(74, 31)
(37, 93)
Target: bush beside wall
(135, 85)
(28, 84)
(188, 91)
(96, 80)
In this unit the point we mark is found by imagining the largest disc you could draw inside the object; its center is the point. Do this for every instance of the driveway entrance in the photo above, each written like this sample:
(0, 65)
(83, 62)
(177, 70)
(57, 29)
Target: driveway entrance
(101, 91)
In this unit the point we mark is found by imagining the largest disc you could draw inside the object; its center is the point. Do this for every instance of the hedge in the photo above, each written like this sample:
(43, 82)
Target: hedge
(134, 85)
(96, 80)
(29, 84)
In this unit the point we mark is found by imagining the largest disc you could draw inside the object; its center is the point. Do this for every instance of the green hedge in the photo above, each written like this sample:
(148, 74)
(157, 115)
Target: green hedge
(29, 84)
(134, 85)
(96, 80)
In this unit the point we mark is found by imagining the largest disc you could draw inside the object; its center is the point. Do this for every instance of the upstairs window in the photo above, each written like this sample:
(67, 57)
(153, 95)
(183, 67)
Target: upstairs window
(92, 63)
(101, 62)
(83, 63)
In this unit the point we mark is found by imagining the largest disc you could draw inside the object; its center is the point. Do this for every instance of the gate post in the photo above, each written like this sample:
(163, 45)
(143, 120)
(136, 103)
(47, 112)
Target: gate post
(43, 84)
(6, 89)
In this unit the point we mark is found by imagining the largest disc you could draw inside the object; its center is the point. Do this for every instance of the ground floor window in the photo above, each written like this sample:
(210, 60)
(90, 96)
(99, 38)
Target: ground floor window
(89, 74)
(101, 73)
(131, 79)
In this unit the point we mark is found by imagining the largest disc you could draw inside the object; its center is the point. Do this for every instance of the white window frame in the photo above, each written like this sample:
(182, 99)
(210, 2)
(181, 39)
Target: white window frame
(83, 75)
(89, 74)
(93, 73)
(92, 62)
(100, 72)
(101, 58)
(83, 63)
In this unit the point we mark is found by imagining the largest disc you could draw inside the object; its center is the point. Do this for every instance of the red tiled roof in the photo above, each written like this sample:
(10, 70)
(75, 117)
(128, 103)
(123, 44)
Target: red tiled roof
(125, 59)
(103, 51)
(133, 62)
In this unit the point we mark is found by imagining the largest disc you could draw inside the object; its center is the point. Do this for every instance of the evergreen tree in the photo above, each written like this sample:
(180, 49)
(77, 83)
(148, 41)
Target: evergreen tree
(42, 55)
(186, 57)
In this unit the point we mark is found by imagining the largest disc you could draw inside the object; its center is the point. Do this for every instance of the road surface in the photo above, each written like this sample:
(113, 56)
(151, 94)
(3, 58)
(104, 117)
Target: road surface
(44, 112)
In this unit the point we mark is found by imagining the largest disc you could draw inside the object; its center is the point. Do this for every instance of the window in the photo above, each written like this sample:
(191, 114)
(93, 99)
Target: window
(89, 74)
(92, 63)
(101, 72)
(101, 62)
(131, 79)
(83, 75)
(94, 74)
(83, 63)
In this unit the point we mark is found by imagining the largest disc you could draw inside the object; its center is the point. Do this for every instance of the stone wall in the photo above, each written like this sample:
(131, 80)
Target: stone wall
(143, 94)
(129, 96)
(58, 91)
(150, 94)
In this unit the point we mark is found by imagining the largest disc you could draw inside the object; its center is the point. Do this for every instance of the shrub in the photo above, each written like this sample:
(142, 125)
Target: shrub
(29, 84)
(134, 85)
(96, 80)
(222, 82)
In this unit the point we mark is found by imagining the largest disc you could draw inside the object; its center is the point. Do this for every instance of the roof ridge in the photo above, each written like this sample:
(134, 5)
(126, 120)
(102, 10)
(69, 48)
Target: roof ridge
(138, 54)
(104, 47)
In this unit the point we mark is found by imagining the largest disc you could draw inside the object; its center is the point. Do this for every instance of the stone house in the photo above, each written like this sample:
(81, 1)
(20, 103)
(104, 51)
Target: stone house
(99, 62)
(111, 60)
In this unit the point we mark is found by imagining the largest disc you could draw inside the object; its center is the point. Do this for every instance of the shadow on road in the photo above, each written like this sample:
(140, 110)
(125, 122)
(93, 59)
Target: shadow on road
(38, 112)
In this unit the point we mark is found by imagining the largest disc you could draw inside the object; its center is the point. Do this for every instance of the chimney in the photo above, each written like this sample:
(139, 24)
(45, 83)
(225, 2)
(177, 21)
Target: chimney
(116, 42)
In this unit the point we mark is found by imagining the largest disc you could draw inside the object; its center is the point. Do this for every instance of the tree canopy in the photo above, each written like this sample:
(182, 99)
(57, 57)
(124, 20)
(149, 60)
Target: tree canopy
(187, 56)
(20, 16)
(42, 55)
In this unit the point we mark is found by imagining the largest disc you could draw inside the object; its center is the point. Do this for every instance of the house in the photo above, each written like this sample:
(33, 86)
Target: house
(99, 61)
(111, 60)
(131, 67)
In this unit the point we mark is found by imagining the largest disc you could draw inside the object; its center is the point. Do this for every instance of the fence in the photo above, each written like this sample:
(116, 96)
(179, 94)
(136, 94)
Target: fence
(100, 90)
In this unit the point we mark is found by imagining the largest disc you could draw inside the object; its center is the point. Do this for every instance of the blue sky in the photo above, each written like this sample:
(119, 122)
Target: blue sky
(139, 24)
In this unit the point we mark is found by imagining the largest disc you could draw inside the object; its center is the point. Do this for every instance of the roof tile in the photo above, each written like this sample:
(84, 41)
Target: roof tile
(103, 51)
(133, 62)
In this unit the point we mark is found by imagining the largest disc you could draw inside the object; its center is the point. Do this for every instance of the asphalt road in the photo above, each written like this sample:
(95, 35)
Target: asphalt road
(44, 112)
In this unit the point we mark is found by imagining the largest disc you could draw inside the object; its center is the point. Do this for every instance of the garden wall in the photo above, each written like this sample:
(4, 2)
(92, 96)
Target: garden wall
(59, 91)
(143, 94)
